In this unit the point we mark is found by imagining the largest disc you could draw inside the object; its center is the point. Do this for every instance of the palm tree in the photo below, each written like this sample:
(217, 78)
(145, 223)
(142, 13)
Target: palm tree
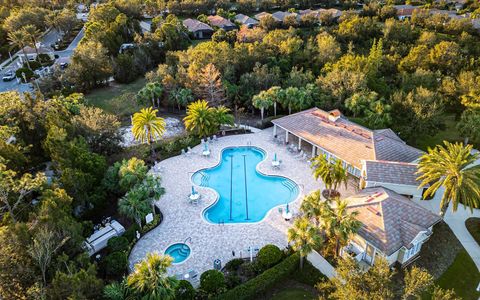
(200, 118)
(32, 33)
(313, 207)
(448, 166)
(152, 91)
(181, 97)
(19, 39)
(331, 173)
(223, 116)
(262, 101)
(134, 206)
(149, 279)
(147, 126)
(304, 238)
(340, 224)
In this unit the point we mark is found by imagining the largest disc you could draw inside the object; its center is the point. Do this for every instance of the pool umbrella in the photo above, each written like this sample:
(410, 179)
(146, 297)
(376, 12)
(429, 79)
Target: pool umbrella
(275, 157)
(193, 190)
(205, 147)
(287, 210)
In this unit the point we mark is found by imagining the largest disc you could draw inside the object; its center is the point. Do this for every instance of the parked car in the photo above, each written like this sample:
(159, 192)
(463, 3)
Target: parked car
(9, 76)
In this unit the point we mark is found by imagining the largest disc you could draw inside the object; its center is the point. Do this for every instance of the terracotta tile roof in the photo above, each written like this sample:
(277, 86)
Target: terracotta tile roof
(195, 25)
(219, 21)
(391, 172)
(345, 139)
(389, 220)
(261, 15)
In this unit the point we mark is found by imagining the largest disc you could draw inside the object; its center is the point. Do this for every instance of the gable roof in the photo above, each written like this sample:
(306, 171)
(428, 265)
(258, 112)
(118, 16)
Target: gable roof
(245, 20)
(220, 21)
(345, 139)
(261, 15)
(281, 15)
(391, 172)
(41, 50)
(390, 221)
(195, 25)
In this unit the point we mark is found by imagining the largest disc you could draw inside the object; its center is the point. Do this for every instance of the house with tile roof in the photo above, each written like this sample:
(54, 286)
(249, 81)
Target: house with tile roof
(246, 20)
(197, 29)
(31, 53)
(221, 22)
(259, 16)
(280, 16)
(392, 226)
(333, 135)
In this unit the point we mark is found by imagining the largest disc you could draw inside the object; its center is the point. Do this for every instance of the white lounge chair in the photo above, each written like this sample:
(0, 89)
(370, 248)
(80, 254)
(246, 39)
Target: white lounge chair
(190, 150)
(215, 138)
(300, 155)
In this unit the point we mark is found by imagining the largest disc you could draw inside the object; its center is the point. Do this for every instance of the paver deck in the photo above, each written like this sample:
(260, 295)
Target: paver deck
(214, 241)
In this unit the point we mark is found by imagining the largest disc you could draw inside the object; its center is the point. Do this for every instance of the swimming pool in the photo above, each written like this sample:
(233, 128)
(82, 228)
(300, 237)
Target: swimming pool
(245, 195)
(179, 252)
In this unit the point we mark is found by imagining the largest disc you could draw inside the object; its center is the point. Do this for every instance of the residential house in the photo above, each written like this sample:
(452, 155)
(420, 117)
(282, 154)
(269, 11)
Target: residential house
(197, 29)
(221, 22)
(31, 52)
(259, 16)
(246, 20)
(393, 227)
(280, 16)
(330, 133)
(405, 11)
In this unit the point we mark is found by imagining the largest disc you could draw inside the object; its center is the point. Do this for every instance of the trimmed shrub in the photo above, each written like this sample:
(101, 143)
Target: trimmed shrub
(116, 263)
(130, 232)
(118, 244)
(184, 291)
(232, 280)
(153, 224)
(264, 281)
(28, 74)
(212, 282)
(35, 65)
(234, 264)
(269, 256)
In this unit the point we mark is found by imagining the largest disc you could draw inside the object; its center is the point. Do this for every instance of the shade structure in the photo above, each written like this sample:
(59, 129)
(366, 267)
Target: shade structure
(275, 157)
(193, 190)
(205, 146)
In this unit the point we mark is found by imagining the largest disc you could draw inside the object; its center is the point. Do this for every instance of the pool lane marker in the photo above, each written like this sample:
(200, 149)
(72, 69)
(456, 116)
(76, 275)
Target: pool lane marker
(231, 185)
(246, 191)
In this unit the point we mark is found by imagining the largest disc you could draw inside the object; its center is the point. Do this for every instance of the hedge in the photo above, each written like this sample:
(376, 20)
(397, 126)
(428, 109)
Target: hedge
(264, 281)
(269, 256)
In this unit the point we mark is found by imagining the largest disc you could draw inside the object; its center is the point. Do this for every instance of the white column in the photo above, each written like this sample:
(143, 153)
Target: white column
(286, 136)
(314, 149)
(274, 130)
(299, 143)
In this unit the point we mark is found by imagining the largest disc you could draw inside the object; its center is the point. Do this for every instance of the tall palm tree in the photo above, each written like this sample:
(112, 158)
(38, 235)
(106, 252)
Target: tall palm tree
(262, 101)
(19, 39)
(331, 173)
(33, 34)
(134, 206)
(223, 116)
(340, 224)
(313, 207)
(448, 166)
(304, 238)
(147, 126)
(149, 280)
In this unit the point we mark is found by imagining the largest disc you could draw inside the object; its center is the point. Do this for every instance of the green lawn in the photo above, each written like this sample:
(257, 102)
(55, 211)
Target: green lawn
(450, 133)
(473, 226)
(118, 99)
(293, 294)
(462, 276)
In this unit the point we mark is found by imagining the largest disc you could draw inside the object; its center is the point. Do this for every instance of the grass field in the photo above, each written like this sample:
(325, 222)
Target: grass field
(118, 99)
(473, 226)
(450, 133)
(293, 294)
(462, 276)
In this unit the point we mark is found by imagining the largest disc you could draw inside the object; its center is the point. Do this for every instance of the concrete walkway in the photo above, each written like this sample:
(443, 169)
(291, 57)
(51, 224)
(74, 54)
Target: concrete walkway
(456, 221)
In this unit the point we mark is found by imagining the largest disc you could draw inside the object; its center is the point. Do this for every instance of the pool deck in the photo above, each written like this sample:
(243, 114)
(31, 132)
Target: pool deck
(214, 241)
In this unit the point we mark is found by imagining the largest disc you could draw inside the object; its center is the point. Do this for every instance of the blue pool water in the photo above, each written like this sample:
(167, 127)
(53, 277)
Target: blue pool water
(179, 252)
(246, 195)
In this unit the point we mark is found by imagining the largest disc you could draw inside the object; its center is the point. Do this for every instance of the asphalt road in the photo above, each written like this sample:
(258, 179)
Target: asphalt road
(47, 39)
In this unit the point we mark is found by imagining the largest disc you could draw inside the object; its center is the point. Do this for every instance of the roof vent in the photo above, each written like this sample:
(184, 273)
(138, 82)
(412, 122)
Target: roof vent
(334, 115)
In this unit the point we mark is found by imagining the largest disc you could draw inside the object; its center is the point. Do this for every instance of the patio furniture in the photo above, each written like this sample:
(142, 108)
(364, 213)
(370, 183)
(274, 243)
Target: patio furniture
(193, 198)
(210, 139)
(215, 138)
(300, 155)
(190, 151)
(203, 141)
(193, 275)
(184, 153)
(276, 164)
(206, 153)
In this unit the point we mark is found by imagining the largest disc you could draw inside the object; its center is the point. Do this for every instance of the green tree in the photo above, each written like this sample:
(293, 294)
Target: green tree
(352, 282)
(182, 97)
(340, 224)
(149, 279)
(304, 238)
(417, 281)
(313, 207)
(328, 48)
(448, 166)
(131, 172)
(32, 34)
(135, 205)
(468, 126)
(262, 101)
(20, 39)
(147, 127)
(332, 173)
(152, 91)
(203, 120)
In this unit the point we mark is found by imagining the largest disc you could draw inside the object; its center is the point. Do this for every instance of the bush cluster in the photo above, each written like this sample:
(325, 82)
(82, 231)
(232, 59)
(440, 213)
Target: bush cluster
(118, 244)
(116, 263)
(269, 256)
(264, 281)
(234, 264)
(212, 282)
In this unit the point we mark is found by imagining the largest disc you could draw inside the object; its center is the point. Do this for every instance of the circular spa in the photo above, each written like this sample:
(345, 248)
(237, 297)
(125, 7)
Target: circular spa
(179, 251)
(245, 195)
